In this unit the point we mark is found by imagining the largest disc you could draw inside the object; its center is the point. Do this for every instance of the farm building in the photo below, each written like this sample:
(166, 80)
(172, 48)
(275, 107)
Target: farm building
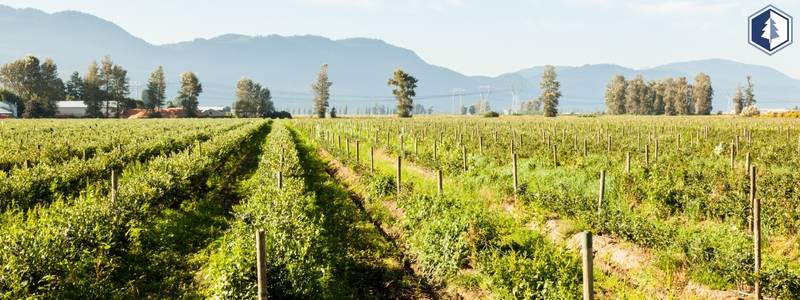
(77, 109)
(7, 110)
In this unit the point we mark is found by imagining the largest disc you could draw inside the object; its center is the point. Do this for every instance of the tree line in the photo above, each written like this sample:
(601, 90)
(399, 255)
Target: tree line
(404, 92)
(671, 96)
(35, 88)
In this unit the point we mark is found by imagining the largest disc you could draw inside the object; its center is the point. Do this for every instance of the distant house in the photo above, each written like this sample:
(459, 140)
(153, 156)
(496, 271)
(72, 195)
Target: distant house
(7, 110)
(77, 109)
(211, 111)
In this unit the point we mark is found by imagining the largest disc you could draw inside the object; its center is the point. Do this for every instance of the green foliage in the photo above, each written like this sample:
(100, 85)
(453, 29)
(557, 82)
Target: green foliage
(188, 93)
(76, 247)
(404, 86)
(321, 89)
(551, 91)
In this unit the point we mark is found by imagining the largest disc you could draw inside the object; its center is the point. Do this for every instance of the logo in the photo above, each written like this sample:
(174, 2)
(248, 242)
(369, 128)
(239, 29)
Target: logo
(770, 30)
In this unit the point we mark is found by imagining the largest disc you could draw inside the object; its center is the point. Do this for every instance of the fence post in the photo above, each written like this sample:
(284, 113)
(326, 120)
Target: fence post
(114, 185)
(464, 157)
(516, 181)
(584, 148)
(372, 159)
(555, 155)
(440, 180)
(747, 162)
(627, 162)
(435, 145)
(399, 175)
(646, 154)
(261, 264)
(347, 146)
(588, 281)
(602, 196)
(756, 232)
(358, 152)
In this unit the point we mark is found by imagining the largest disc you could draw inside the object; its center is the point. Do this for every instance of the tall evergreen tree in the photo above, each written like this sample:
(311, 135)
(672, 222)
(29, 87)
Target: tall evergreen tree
(749, 97)
(404, 86)
(615, 95)
(738, 100)
(156, 89)
(74, 87)
(187, 95)
(321, 89)
(703, 94)
(551, 91)
(264, 105)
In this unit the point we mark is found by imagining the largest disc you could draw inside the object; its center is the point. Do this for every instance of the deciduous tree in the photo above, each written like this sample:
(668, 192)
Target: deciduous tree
(404, 86)
(187, 95)
(703, 94)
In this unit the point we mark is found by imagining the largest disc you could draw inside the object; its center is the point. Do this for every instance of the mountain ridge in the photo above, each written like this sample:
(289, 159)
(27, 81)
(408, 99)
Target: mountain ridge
(359, 67)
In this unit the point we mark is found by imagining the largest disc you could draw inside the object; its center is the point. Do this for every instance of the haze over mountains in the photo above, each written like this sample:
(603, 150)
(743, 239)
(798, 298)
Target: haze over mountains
(359, 67)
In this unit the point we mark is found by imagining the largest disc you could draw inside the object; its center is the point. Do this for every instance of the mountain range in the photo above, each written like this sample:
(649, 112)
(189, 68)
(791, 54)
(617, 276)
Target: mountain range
(358, 67)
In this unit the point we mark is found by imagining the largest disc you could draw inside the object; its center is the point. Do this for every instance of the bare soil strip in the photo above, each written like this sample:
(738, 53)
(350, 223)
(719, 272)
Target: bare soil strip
(612, 255)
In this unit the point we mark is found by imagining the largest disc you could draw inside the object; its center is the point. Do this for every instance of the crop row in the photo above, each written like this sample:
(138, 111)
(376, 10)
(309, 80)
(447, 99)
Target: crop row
(57, 141)
(77, 247)
(457, 237)
(24, 187)
(682, 203)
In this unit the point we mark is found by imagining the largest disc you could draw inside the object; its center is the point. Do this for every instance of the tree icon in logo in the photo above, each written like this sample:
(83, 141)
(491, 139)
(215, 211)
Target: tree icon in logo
(770, 30)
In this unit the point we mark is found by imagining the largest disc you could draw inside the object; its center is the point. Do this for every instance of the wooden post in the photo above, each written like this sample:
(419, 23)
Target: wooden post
(372, 159)
(647, 154)
(655, 157)
(514, 171)
(747, 162)
(602, 193)
(435, 146)
(585, 151)
(555, 155)
(480, 143)
(756, 232)
(440, 180)
(358, 152)
(347, 146)
(280, 179)
(261, 265)
(588, 284)
(627, 162)
(464, 157)
(399, 174)
(339, 145)
(114, 185)
(609, 144)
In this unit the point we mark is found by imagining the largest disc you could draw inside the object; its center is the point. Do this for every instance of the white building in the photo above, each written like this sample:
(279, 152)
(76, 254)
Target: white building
(77, 109)
(7, 110)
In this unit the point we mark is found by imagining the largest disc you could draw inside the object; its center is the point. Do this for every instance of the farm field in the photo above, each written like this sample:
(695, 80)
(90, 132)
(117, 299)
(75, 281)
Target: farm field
(667, 200)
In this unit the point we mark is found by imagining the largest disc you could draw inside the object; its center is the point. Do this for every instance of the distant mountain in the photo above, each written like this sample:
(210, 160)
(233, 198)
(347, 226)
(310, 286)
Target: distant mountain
(359, 67)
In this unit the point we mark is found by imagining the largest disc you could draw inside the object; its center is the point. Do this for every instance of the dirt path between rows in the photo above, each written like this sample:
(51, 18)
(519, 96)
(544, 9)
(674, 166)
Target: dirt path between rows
(611, 255)
(350, 180)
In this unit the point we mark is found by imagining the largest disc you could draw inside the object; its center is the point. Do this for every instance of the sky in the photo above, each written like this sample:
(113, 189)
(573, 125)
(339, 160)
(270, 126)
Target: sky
(474, 37)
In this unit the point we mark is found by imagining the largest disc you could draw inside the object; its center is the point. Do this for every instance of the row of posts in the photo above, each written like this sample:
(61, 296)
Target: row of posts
(586, 251)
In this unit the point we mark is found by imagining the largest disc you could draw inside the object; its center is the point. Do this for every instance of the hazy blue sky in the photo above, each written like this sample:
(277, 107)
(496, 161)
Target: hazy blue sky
(471, 36)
